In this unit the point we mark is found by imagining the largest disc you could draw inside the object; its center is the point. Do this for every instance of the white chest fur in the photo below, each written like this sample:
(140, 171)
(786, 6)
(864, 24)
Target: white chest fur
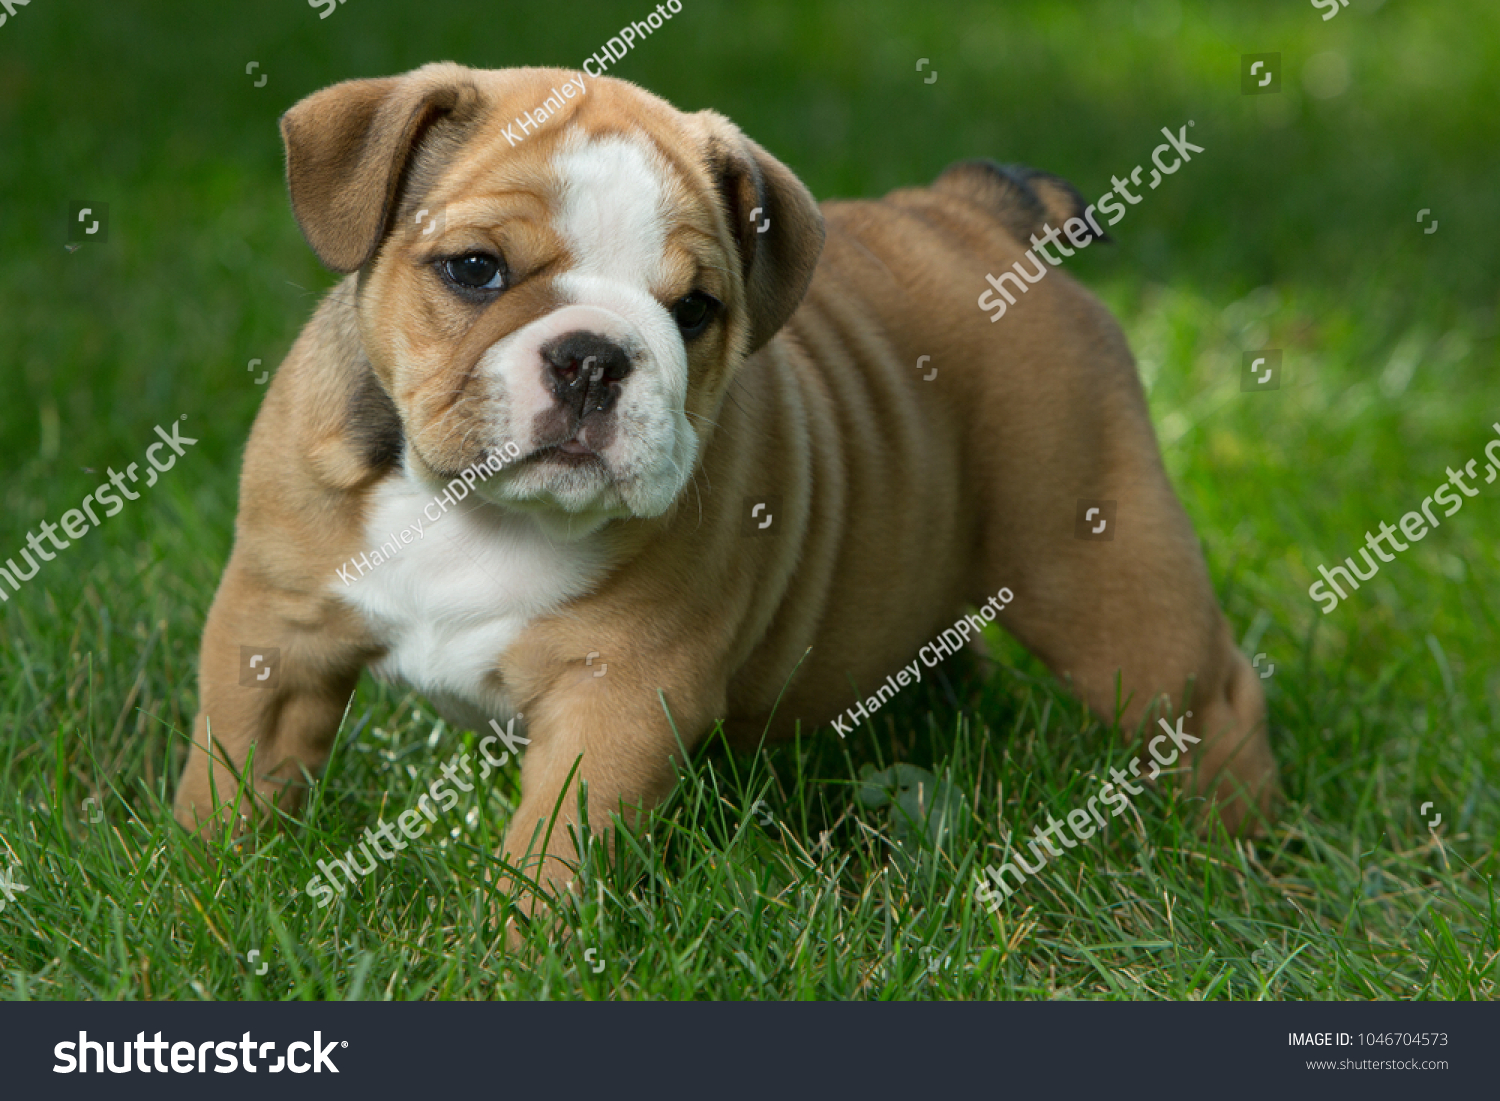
(458, 592)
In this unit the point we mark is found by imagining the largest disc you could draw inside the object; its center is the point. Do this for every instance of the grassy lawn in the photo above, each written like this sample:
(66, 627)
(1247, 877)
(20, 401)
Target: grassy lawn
(1296, 229)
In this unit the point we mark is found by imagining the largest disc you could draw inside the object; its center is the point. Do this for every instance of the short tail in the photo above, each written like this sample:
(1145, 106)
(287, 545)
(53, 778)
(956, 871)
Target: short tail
(1023, 199)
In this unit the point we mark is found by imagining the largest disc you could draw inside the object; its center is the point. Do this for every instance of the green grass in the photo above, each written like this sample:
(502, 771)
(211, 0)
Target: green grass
(1296, 229)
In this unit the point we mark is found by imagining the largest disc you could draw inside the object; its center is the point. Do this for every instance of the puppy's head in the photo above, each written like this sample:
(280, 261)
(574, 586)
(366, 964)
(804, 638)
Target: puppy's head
(571, 278)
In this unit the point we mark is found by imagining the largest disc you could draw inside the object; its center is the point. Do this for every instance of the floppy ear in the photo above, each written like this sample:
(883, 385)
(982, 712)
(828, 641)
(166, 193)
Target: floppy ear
(777, 263)
(347, 147)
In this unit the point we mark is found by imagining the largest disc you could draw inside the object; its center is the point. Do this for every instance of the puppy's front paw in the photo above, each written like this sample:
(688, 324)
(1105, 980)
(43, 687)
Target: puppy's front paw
(1243, 797)
(525, 909)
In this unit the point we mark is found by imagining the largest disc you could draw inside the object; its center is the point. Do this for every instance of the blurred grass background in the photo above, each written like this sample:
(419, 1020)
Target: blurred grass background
(1295, 229)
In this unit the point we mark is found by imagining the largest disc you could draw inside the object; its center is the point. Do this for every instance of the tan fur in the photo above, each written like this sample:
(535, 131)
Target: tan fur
(901, 500)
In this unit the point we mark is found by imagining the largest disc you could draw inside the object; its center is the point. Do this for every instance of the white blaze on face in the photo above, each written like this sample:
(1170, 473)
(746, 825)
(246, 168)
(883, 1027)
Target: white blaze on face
(613, 213)
(613, 208)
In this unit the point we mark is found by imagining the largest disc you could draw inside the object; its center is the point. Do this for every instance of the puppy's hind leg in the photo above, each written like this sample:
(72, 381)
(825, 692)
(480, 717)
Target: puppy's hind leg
(1139, 604)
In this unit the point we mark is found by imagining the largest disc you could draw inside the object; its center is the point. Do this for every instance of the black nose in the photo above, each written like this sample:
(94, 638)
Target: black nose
(583, 371)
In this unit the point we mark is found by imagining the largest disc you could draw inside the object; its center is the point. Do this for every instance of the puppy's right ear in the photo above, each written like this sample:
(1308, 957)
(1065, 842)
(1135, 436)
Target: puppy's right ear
(346, 149)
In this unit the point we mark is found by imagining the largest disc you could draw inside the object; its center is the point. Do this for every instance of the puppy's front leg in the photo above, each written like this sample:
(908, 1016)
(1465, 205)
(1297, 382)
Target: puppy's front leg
(615, 729)
(287, 705)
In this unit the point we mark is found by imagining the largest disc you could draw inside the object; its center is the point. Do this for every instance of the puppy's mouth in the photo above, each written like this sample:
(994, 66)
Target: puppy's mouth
(573, 452)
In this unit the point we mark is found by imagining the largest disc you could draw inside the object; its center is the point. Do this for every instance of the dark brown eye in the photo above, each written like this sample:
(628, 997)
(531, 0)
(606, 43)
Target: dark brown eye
(474, 271)
(693, 313)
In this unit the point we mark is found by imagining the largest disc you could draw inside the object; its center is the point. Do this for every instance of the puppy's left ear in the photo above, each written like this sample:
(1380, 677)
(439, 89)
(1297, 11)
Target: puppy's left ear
(776, 261)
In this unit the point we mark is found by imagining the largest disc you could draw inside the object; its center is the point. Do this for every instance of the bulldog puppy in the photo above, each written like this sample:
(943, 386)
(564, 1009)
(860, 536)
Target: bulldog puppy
(612, 426)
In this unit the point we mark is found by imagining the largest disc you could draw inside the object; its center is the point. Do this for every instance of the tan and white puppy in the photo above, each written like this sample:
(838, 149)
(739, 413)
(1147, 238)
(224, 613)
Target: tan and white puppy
(657, 318)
